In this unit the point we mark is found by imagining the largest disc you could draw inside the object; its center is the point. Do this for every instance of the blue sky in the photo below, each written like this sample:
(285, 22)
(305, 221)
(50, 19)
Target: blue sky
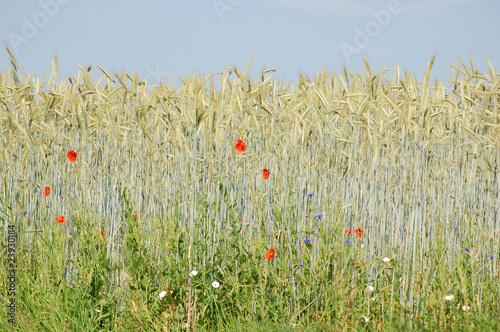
(156, 37)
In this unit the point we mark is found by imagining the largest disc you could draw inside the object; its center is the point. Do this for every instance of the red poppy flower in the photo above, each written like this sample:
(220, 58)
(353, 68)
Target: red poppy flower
(47, 191)
(348, 230)
(270, 253)
(103, 234)
(240, 146)
(60, 219)
(265, 173)
(358, 232)
(135, 215)
(72, 156)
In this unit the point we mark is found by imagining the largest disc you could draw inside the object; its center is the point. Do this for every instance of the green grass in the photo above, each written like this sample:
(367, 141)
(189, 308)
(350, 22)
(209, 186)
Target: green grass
(413, 164)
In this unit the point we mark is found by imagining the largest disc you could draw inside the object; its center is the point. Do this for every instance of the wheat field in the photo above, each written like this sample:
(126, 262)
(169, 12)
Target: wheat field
(381, 203)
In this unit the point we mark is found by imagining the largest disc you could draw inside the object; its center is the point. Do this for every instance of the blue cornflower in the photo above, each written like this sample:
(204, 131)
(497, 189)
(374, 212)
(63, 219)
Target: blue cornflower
(310, 195)
(248, 225)
(301, 265)
(467, 249)
(348, 241)
(307, 239)
(491, 256)
(319, 215)
(24, 213)
(375, 270)
(198, 155)
(327, 227)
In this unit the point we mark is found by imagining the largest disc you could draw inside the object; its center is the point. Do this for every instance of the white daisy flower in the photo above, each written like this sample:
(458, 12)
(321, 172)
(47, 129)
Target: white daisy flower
(215, 284)
(371, 288)
(465, 308)
(193, 273)
(162, 294)
(386, 259)
(448, 297)
(366, 319)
